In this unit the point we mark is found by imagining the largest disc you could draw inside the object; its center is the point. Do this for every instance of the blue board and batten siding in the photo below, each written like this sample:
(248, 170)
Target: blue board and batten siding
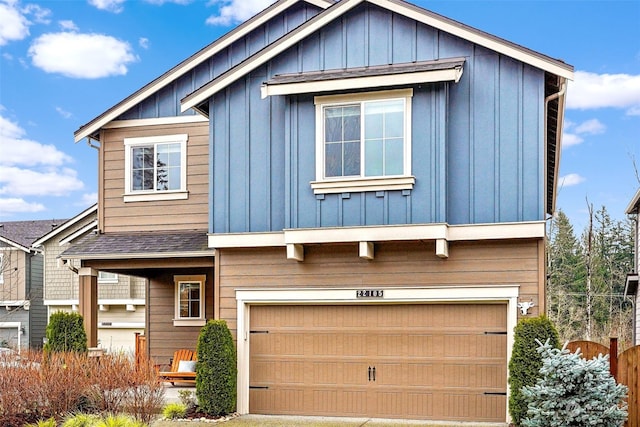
(166, 102)
(477, 145)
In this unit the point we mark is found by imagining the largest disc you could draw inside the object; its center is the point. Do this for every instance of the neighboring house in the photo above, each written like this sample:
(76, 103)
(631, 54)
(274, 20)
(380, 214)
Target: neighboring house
(358, 188)
(631, 287)
(120, 297)
(23, 316)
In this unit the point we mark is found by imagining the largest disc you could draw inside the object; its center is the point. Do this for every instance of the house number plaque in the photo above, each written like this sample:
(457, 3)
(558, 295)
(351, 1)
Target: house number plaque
(369, 293)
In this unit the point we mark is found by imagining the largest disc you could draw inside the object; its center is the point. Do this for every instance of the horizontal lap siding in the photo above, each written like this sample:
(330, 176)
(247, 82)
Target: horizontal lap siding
(188, 214)
(413, 264)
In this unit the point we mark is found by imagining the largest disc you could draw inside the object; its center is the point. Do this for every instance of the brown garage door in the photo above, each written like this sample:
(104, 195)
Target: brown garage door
(440, 362)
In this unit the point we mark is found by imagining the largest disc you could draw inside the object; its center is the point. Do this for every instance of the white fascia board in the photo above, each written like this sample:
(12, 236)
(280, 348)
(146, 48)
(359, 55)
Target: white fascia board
(190, 64)
(271, 51)
(632, 208)
(175, 120)
(478, 37)
(150, 255)
(13, 245)
(89, 211)
(124, 301)
(246, 240)
(87, 228)
(364, 82)
(381, 233)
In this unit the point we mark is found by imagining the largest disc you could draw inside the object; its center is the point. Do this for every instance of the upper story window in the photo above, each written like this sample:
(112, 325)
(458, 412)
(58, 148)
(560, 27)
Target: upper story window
(363, 142)
(189, 301)
(155, 168)
(105, 277)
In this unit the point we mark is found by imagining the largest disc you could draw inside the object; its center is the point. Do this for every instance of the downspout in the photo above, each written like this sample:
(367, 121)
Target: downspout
(548, 99)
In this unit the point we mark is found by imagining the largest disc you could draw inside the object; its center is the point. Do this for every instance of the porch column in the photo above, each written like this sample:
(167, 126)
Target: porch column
(88, 303)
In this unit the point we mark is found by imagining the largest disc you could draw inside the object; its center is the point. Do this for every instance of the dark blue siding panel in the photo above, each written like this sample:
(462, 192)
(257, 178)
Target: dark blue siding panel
(533, 157)
(379, 36)
(333, 44)
(238, 158)
(509, 140)
(356, 40)
(276, 162)
(351, 209)
(483, 142)
(310, 53)
(403, 41)
(219, 126)
(396, 207)
(426, 43)
(259, 159)
(303, 150)
(374, 208)
(329, 211)
(167, 102)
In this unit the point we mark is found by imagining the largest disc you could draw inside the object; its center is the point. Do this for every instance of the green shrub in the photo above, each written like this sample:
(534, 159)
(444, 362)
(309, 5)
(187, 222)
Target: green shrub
(65, 333)
(525, 363)
(119, 421)
(174, 410)
(80, 420)
(51, 422)
(216, 370)
(574, 392)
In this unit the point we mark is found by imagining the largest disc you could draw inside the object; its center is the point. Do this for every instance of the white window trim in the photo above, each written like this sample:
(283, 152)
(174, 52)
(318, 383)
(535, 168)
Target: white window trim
(107, 279)
(323, 185)
(1, 269)
(191, 321)
(141, 196)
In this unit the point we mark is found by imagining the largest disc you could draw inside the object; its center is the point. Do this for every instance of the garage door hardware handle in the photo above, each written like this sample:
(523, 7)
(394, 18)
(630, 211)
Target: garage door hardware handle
(495, 393)
(259, 387)
(258, 332)
(371, 373)
(496, 333)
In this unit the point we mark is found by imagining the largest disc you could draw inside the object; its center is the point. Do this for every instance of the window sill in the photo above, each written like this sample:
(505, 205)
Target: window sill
(165, 195)
(355, 185)
(189, 322)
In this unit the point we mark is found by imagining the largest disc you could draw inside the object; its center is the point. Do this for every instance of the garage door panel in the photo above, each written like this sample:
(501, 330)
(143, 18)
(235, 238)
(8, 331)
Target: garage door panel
(429, 362)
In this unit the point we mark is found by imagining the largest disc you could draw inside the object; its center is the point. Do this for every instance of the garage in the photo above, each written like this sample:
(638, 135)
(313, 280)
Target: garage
(416, 361)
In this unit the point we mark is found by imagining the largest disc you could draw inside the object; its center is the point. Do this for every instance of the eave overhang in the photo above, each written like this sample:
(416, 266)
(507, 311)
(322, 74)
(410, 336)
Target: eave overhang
(365, 77)
(632, 208)
(631, 285)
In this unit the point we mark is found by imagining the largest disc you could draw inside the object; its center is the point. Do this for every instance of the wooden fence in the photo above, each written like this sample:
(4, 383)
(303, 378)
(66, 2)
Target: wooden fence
(625, 368)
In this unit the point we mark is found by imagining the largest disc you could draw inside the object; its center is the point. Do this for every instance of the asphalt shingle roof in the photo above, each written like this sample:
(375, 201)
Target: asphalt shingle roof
(97, 246)
(25, 233)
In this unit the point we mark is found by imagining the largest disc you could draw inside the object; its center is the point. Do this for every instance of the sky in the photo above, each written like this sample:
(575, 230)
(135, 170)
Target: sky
(64, 62)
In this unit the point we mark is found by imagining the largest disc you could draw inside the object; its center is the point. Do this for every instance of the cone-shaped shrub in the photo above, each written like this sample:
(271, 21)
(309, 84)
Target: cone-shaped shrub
(526, 361)
(216, 370)
(65, 333)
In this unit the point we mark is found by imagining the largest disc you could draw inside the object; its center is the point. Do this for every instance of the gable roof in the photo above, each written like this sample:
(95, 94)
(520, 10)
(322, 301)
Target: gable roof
(93, 210)
(21, 234)
(497, 44)
(89, 129)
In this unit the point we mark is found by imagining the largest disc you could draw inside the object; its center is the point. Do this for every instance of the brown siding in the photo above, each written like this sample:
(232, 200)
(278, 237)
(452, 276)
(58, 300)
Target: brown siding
(164, 338)
(395, 264)
(14, 275)
(189, 214)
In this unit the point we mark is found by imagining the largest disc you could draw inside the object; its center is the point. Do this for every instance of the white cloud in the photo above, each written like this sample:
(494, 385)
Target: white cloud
(234, 11)
(143, 42)
(30, 168)
(16, 150)
(15, 25)
(39, 14)
(591, 91)
(85, 56)
(591, 127)
(570, 180)
(68, 25)
(9, 206)
(570, 139)
(88, 199)
(65, 114)
(114, 6)
(16, 181)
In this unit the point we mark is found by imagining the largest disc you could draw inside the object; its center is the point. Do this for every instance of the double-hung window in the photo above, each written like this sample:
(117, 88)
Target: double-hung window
(155, 168)
(106, 277)
(363, 141)
(190, 303)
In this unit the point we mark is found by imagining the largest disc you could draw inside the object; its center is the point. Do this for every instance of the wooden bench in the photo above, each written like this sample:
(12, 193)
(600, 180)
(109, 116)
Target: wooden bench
(178, 374)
